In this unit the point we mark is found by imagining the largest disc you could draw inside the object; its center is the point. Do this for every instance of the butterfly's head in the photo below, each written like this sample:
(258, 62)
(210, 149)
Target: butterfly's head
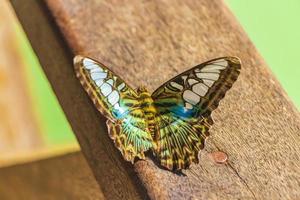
(142, 89)
(143, 92)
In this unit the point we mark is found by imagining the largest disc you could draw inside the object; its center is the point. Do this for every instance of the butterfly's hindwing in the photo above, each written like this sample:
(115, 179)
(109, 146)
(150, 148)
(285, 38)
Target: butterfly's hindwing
(118, 102)
(184, 105)
(131, 137)
(179, 141)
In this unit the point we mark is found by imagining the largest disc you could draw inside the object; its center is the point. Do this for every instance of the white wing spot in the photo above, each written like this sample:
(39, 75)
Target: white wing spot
(211, 76)
(121, 86)
(209, 83)
(105, 89)
(110, 81)
(120, 109)
(89, 64)
(191, 97)
(117, 106)
(222, 62)
(184, 78)
(113, 97)
(188, 106)
(212, 68)
(176, 85)
(192, 81)
(99, 82)
(200, 89)
(98, 75)
(98, 69)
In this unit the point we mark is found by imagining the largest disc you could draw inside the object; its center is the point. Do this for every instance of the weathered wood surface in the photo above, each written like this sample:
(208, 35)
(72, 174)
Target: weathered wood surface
(18, 128)
(146, 43)
(62, 177)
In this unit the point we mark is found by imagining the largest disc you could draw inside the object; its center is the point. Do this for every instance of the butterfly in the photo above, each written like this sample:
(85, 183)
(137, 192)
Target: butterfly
(172, 122)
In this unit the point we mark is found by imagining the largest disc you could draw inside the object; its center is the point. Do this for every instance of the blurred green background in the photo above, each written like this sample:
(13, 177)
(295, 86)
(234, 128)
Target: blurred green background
(273, 26)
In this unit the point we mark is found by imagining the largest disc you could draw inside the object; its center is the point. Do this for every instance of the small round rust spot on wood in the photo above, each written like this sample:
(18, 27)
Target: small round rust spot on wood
(219, 157)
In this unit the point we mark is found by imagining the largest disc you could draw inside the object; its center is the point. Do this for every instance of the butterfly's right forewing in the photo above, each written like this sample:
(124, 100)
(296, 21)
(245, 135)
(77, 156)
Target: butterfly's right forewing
(184, 105)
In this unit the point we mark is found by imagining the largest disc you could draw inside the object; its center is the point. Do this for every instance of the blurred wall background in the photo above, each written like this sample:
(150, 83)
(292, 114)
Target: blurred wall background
(271, 25)
(32, 124)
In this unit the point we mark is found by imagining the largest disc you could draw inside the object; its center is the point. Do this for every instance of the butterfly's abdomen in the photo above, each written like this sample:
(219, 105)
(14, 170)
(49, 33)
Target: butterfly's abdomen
(149, 110)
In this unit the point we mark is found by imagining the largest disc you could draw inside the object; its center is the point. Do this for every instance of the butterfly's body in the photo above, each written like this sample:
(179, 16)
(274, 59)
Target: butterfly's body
(147, 108)
(173, 121)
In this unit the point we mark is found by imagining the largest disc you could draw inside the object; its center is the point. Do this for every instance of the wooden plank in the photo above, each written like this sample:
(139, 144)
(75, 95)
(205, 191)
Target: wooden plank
(30, 155)
(18, 128)
(256, 124)
(62, 177)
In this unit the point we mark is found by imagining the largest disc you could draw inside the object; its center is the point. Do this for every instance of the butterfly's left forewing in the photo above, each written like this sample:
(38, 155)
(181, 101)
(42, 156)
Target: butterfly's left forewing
(118, 103)
(184, 105)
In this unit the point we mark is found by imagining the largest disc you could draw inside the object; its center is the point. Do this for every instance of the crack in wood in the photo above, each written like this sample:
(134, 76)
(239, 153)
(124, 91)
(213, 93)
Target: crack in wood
(242, 180)
(228, 164)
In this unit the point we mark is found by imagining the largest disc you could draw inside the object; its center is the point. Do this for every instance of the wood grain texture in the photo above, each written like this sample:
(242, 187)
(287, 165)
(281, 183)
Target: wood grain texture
(147, 43)
(62, 177)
